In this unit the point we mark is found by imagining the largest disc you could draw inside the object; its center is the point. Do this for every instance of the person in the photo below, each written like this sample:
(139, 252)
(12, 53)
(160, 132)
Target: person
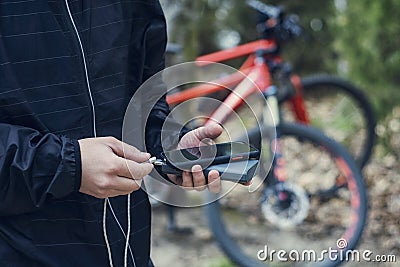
(67, 72)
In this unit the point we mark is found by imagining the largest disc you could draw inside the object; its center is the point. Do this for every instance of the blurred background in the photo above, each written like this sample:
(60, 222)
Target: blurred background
(357, 40)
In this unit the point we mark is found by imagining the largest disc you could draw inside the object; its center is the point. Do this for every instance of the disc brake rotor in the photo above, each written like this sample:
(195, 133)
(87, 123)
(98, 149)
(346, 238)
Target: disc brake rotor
(285, 205)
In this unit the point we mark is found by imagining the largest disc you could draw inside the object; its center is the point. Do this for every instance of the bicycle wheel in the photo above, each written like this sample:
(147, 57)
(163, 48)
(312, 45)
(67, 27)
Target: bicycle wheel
(243, 224)
(342, 111)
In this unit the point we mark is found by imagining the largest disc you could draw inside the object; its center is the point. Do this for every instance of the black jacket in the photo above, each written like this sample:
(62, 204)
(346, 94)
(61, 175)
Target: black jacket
(45, 107)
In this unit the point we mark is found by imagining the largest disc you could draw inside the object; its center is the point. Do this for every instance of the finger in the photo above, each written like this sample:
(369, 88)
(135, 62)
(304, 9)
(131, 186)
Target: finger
(132, 153)
(119, 186)
(125, 185)
(214, 181)
(127, 151)
(207, 142)
(131, 169)
(175, 179)
(199, 181)
(212, 131)
(187, 180)
(139, 170)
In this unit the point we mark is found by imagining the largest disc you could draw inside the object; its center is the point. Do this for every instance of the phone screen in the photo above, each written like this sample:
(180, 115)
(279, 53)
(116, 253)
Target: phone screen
(211, 154)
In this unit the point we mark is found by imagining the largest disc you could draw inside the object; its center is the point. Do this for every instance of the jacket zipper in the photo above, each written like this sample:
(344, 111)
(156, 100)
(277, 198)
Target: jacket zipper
(85, 68)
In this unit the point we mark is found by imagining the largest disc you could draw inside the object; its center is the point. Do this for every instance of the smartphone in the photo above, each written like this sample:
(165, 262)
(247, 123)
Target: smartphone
(209, 155)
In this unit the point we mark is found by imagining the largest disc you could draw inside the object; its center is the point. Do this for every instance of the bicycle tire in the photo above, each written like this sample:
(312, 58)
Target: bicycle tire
(357, 97)
(224, 237)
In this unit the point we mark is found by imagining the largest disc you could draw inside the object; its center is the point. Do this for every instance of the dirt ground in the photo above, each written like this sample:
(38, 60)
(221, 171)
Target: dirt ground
(198, 249)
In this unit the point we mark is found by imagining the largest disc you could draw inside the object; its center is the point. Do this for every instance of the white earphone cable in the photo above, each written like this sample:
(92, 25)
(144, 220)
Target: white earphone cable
(128, 232)
(105, 232)
(95, 135)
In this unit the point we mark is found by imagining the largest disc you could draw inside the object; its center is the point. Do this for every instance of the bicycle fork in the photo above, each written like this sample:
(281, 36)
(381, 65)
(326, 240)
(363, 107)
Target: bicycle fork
(282, 203)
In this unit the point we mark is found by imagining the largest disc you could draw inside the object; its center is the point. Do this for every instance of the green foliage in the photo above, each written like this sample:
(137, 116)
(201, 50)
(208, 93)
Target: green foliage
(368, 41)
(194, 25)
(312, 52)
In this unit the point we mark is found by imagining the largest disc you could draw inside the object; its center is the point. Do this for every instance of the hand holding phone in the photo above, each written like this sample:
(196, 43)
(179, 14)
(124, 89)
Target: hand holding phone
(236, 161)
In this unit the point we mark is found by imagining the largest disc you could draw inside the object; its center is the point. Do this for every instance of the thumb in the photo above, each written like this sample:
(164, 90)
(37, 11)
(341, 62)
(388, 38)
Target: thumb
(209, 131)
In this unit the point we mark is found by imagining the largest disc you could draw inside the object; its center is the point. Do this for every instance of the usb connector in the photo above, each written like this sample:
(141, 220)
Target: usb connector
(155, 161)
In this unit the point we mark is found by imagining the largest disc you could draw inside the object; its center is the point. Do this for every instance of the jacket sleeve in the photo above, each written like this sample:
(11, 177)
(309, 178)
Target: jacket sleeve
(35, 168)
(155, 43)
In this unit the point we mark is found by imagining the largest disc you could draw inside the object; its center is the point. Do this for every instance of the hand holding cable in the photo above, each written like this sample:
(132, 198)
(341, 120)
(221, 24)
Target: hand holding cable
(111, 168)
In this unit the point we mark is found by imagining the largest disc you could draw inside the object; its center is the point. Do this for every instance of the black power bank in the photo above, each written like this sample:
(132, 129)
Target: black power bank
(236, 171)
(236, 161)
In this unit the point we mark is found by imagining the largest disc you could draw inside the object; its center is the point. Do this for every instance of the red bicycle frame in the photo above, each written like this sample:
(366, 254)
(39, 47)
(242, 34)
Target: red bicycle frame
(257, 72)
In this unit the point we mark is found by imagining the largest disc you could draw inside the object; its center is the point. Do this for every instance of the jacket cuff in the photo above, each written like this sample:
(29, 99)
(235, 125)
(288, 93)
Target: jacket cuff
(71, 165)
(78, 165)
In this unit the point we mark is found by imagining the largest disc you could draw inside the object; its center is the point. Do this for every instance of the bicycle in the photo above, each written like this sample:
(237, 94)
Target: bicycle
(279, 203)
(327, 181)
